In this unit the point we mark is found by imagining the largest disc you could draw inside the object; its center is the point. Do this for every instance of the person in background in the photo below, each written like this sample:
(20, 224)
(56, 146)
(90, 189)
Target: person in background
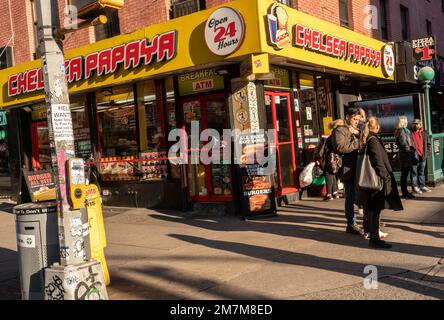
(330, 175)
(406, 153)
(345, 141)
(422, 145)
(388, 198)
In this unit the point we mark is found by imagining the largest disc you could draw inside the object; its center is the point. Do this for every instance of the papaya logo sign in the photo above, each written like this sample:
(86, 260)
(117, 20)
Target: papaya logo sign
(315, 40)
(281, 35)
(224, 31)
(278, 27)
(161, 48)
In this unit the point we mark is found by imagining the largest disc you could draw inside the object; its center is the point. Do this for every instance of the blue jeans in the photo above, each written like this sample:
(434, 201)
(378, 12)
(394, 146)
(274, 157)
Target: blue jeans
(418, 177)
(349, 193)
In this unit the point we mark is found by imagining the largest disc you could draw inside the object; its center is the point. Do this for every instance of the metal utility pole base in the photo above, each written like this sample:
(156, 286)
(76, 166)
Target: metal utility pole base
(75, 282)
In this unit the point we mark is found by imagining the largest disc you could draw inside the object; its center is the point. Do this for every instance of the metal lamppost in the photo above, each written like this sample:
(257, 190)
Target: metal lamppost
(426, 75)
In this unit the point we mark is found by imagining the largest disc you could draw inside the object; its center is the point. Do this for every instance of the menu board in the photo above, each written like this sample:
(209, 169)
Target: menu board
(154, 165)
(41, 185)
(257, 190)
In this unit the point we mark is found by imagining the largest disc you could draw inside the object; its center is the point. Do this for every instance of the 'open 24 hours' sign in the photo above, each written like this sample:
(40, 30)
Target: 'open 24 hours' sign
(224, 31)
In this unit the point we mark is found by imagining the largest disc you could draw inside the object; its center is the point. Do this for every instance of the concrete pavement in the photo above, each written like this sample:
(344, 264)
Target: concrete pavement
(303, 253)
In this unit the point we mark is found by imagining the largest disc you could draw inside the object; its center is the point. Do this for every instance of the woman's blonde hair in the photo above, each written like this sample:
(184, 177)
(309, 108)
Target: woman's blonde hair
(372, 124)
(402, 122)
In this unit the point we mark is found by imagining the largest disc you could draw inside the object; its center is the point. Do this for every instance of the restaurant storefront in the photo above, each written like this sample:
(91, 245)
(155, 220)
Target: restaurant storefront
(128, 92)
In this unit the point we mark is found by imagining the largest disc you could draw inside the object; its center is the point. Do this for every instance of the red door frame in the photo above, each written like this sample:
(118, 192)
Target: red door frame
(283, 191)
(204, 125)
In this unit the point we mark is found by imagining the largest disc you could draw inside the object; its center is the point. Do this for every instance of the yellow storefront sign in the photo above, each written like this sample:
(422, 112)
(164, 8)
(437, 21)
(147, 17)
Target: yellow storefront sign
(299, 37)
(237, 30)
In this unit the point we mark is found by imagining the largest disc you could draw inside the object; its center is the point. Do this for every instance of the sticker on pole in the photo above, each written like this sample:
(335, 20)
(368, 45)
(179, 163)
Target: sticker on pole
(224, 31)
(25, 241)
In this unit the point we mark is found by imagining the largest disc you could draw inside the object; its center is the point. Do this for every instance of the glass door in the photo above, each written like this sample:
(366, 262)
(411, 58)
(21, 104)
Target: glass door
(207, 182)
(279, 117)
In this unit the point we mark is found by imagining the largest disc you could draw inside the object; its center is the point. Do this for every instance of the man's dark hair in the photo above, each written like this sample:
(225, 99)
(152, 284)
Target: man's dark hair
(351, 112)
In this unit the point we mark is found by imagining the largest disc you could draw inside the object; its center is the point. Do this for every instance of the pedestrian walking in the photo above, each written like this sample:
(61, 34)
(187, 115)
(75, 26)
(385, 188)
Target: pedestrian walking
(345, 141)
(422, 144)
(406, 153)
(387, 198)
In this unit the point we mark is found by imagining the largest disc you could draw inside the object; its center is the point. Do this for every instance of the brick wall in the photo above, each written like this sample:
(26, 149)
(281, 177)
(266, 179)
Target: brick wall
(137, 14)
(419, 11)
(20, 14)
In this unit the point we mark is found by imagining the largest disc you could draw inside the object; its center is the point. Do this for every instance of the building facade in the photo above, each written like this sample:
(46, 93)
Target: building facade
(164, 65)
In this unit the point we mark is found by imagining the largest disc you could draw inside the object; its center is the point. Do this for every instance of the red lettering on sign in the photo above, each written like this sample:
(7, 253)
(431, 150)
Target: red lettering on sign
(21, 83)
(132, 54)
(299, 35)
(343, 48)
(75, 69)
(40, 81)
(336, 46)
(378, 58)
(90, 64)
(12, 85)
(104, 62)
(32, 84)
(167, 46)
(117, 56)
(163, 47)
(148, 50)
(315, 40)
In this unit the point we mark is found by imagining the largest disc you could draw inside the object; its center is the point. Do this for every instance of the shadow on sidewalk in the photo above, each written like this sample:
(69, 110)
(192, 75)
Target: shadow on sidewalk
(307, 260)
(179, 278)
(311, 208)
(9, 275)
(307, 231)
(7, 207)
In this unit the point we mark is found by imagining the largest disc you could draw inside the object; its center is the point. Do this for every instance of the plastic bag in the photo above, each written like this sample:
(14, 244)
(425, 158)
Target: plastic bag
(306, 176)
(319, 181)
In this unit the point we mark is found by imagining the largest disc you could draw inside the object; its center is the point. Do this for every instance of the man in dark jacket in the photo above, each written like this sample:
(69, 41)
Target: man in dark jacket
(422, 145)
(345, 141)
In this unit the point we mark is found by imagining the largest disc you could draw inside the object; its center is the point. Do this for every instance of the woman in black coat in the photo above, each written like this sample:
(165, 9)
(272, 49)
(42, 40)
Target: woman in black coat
(388, 198)
(406, 153)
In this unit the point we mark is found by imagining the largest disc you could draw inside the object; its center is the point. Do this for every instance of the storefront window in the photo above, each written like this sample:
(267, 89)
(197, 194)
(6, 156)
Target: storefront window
(117, 122)
(80, 126)
(172, 123)
(324, 97)
(309, 110)
(171, 104)
(5, 172)
(153, 156)
(41, 152)
(117, 132)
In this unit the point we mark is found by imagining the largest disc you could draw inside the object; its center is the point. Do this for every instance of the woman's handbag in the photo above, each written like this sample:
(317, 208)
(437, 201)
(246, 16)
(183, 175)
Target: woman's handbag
(367, 176)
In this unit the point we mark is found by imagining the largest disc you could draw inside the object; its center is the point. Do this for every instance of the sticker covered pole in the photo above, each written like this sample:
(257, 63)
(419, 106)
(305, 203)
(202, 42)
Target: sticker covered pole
(59, 119)
(76, 277)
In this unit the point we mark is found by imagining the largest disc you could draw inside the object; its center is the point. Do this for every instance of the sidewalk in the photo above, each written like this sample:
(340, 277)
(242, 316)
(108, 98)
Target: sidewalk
(303, 253)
